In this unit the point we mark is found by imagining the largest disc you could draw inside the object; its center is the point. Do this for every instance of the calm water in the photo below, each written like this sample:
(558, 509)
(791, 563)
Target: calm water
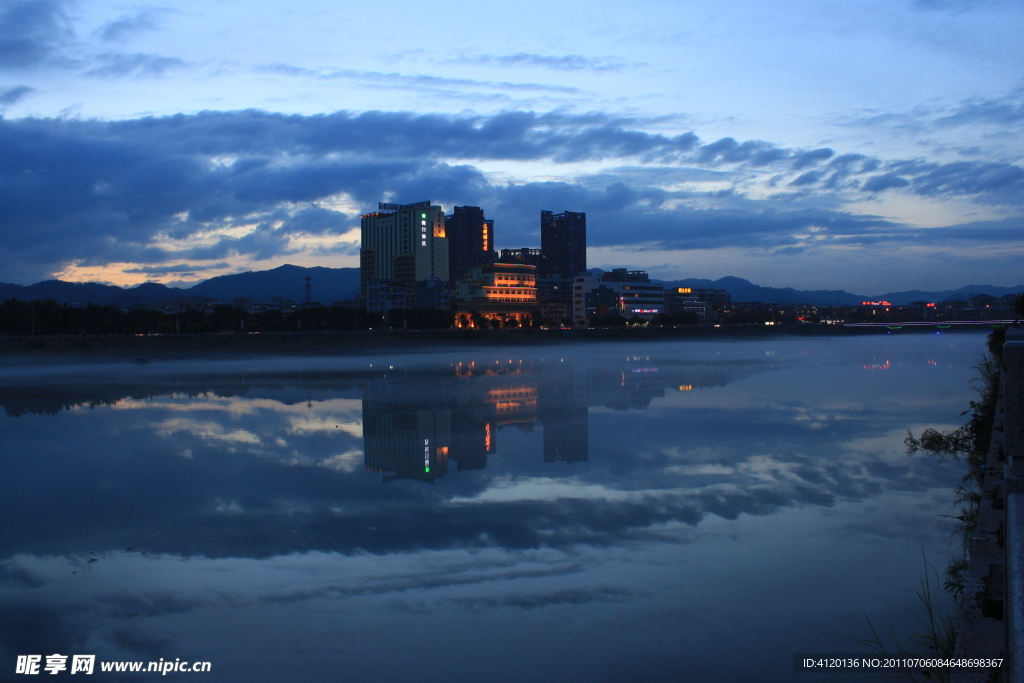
(609, 512)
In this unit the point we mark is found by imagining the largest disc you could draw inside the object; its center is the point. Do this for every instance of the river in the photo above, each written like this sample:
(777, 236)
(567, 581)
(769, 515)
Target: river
(693, 510)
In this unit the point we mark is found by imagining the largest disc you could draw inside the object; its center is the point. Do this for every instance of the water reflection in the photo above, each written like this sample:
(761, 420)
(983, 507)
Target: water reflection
(685, 490)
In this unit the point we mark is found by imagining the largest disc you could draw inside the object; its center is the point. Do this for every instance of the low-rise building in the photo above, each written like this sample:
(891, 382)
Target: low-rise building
(385, 295)
(433, 293)
(621, 292)
(501, 293)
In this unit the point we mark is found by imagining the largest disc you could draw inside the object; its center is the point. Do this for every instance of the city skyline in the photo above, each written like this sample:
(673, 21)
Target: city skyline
(871, 148)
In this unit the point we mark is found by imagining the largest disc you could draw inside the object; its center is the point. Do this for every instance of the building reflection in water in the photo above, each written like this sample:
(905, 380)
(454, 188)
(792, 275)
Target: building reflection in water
(413, 428)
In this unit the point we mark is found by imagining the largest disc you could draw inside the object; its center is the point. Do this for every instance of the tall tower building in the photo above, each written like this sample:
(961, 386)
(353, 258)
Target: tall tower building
(404, 243)
(563, 240)
(470, 240)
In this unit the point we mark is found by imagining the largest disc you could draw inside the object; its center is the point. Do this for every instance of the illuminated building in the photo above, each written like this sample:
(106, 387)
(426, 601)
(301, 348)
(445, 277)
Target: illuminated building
(679, 299)
(563, 241)
(470, 240)
(627, 293)
(403, 243)
(505, 293)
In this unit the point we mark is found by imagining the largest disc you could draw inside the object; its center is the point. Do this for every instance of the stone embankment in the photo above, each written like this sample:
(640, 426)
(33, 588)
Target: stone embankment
(990, 624)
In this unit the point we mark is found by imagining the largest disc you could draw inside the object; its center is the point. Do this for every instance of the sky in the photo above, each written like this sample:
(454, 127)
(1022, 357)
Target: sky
(868, 146)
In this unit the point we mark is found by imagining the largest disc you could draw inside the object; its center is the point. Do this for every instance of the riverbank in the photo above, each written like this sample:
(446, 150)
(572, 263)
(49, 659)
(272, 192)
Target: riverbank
(991, 615)
(362, 342)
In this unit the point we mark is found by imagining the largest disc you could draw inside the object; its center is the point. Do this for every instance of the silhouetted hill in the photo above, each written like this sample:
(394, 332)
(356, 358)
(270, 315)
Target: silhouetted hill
(743, 291)
(962, 293)
(329, 285)
(339, 284)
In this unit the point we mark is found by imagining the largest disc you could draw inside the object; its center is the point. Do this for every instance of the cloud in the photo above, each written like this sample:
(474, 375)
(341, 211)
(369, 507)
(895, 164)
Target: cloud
(407, 80)
(999, 112)
(886, 181)
(14, 95)
(114, 65)
(805, 159)
(971, 177)
(183, 268)
(128, 25)
(809, 178)
(557, 62)
(96, 192)
(32, 33)
(570, 596)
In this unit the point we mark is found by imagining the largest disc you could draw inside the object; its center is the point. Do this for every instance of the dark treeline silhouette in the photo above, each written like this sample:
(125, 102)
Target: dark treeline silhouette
(47, 317)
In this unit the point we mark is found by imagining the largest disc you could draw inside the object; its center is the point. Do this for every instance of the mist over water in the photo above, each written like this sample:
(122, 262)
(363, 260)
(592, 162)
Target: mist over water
(665, 511)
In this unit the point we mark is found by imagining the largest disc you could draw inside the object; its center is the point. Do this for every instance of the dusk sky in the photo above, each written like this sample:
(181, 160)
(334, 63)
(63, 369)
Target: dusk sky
(869, 146)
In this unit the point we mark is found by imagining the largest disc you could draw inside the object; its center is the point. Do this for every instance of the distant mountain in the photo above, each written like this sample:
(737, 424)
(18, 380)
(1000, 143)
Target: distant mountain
(340, 284)
(328, 285)
(962, 293)
(744, 291)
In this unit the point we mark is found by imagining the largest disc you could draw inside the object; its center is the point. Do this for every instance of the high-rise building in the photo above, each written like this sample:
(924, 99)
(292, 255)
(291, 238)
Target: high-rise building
(470, 240)
(404, 243)
(563, 240)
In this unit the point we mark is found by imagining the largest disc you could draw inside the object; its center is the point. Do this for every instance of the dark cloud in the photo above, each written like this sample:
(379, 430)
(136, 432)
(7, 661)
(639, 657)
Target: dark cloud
(32, 32)
(316, 221)
(804, 159)
(809, 178)
(127, 25)
(1005, 231)
(1004, 112)
(887, 181)
(728, 150)
(14, 95)
(571, 596)
(141, 65)
(971, 177)
(101, 191)
(184, 268)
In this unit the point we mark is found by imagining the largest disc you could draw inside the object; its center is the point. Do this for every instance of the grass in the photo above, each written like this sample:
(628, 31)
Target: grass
(969, 444)
(936, 636)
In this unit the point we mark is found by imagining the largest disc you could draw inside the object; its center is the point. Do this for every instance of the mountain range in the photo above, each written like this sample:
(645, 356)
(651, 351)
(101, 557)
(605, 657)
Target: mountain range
(745, 291)
(328, 285)
(341, 284)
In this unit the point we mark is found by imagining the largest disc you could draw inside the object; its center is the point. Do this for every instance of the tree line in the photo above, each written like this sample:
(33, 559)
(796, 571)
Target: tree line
(47, 316)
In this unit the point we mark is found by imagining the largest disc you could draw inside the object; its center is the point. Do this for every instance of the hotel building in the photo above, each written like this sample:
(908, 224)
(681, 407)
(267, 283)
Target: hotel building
(403, 243)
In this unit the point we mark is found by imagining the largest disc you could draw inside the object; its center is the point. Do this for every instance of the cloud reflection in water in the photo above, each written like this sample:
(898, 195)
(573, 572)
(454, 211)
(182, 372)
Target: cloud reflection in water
(570, 491)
